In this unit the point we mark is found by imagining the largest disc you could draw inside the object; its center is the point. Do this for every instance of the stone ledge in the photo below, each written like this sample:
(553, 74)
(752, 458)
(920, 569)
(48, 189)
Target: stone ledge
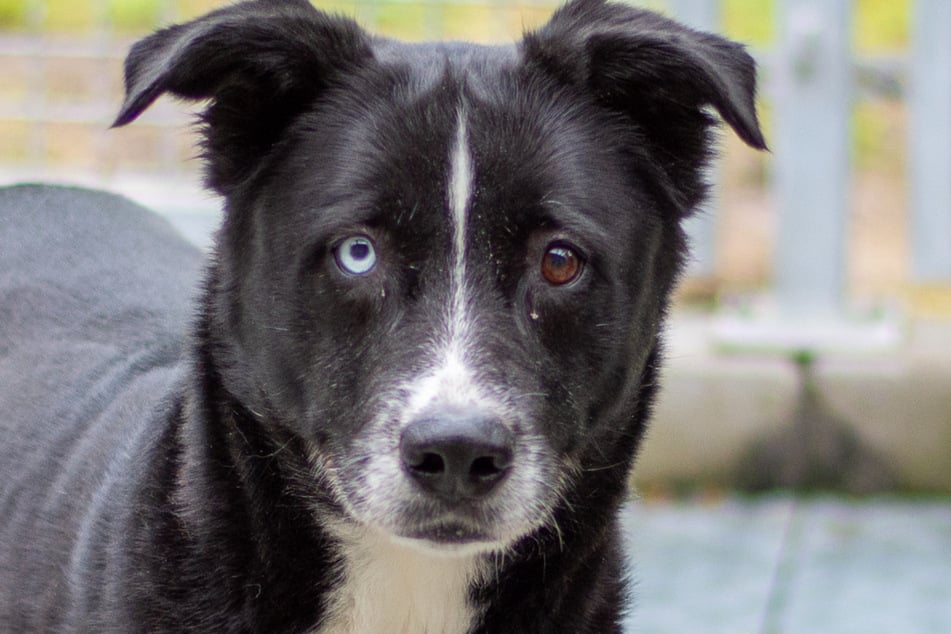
(714, 406)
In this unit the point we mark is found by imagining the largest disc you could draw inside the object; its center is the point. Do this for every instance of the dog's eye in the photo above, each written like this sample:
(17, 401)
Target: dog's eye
(561, 264)
(356, 255)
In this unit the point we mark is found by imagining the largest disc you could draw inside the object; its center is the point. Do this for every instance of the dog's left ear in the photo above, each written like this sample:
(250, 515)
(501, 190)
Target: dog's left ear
(260, 63)
(659, 73)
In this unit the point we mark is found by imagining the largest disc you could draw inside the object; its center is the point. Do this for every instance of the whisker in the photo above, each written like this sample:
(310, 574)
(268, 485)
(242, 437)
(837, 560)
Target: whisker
(604, 468)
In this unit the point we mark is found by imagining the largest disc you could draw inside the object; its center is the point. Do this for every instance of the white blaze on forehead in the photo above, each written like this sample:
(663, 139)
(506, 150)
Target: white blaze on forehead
(452, 382)
(460, 193)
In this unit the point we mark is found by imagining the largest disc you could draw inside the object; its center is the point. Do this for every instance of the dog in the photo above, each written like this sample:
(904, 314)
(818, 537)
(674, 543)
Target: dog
(406, 389)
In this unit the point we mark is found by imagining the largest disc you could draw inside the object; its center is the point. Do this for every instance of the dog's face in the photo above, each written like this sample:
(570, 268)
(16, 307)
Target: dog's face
(443, 266)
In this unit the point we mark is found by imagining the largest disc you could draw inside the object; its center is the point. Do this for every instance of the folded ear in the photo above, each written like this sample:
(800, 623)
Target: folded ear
(259, 62)
(661, 74)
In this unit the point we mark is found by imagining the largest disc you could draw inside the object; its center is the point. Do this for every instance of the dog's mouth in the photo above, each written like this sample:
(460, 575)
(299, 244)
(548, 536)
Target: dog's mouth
(449, 534)
(410, 515)
(462, 481)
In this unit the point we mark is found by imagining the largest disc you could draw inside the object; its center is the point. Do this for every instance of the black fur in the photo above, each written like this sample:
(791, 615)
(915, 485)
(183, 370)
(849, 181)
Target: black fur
(158, 481)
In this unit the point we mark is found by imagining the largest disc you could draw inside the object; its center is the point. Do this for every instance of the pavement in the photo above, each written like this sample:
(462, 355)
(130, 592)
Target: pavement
(787, 565)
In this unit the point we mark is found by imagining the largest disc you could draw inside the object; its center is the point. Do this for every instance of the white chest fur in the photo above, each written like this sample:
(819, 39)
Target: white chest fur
(389, 588)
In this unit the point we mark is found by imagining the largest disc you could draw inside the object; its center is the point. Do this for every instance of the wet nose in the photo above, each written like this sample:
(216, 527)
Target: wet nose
(457, 456)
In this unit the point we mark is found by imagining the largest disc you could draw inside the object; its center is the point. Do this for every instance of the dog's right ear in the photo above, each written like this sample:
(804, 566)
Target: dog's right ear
(663, 77)
(260, 63)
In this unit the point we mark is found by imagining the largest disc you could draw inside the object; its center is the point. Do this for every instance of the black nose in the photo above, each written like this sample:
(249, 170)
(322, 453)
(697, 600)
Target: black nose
(457, 456)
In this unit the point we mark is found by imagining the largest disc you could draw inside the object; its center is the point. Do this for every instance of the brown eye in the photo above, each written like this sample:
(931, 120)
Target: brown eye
(560, 265)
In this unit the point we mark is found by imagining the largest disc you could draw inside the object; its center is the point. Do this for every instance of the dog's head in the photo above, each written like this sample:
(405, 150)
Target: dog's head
(443, 266)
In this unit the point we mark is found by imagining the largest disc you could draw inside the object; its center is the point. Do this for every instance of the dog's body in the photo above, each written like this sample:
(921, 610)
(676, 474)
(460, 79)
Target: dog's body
(424, 350)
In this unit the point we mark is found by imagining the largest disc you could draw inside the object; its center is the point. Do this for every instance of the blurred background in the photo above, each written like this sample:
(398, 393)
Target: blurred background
(809, 350)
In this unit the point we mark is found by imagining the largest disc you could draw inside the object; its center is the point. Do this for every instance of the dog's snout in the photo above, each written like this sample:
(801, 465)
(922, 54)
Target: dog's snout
(457, 456)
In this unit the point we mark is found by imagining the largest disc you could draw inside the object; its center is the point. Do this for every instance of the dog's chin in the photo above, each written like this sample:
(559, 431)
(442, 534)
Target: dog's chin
(449, 539)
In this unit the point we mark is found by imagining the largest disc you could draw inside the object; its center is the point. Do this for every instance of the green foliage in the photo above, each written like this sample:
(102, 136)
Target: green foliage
(882, 25)
(879, 25)
(13, 15)
(68, 15)
(134, 15)
(78, 16)
(750, 21)
(406, 21)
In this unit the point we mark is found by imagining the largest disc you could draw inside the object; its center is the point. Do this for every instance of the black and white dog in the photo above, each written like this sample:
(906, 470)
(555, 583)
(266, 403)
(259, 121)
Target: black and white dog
(426, 345)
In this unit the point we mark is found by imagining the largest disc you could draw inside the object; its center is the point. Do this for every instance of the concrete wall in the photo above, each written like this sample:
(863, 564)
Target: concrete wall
(714, 407)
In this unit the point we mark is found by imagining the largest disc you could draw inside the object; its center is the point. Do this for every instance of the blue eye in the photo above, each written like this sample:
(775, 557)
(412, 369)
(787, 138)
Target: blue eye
(356, 255)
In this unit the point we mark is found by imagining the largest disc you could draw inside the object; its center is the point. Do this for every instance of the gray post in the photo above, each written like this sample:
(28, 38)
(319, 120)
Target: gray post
(703, 15)
(930, 141)
(813, 93)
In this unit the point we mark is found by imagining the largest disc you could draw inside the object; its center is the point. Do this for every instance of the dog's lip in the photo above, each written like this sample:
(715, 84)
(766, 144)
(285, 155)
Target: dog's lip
(448, 532)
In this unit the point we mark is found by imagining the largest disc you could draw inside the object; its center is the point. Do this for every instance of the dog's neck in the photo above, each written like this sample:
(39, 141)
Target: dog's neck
(391, 587)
